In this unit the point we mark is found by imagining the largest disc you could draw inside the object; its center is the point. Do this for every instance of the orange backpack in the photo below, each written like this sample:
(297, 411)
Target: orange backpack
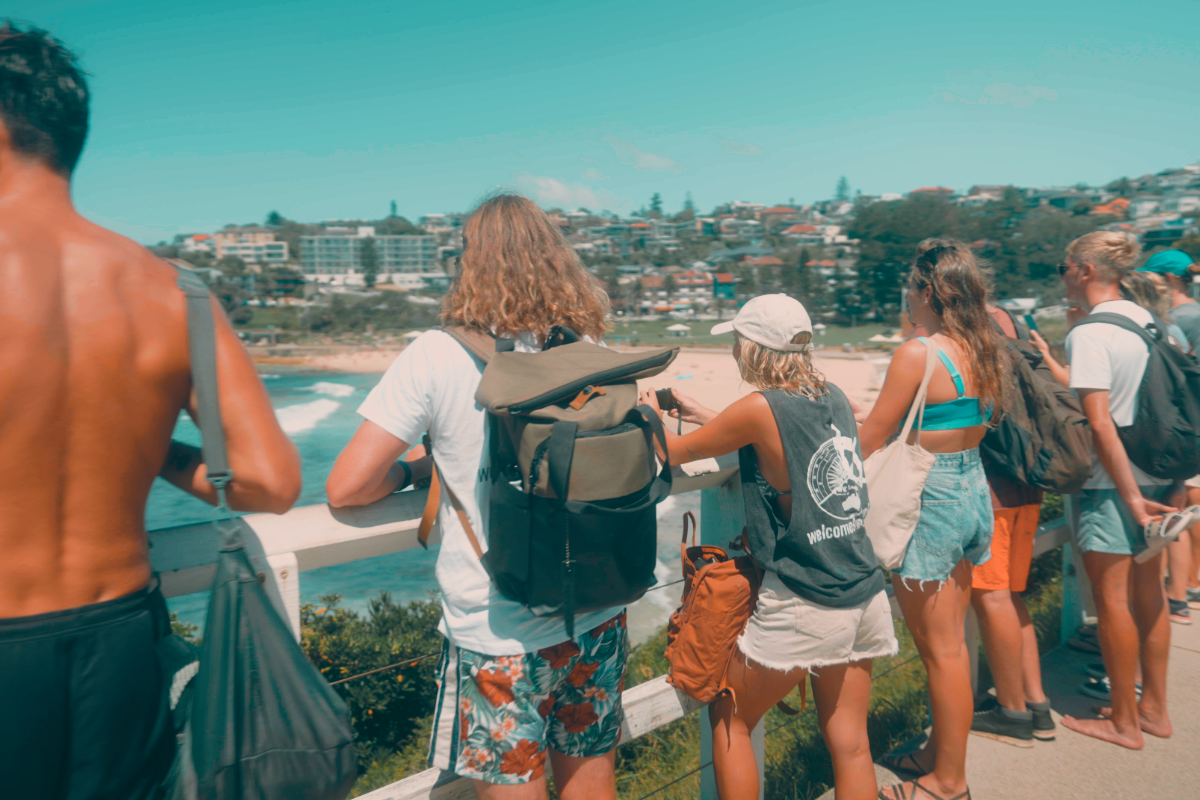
(719, 593)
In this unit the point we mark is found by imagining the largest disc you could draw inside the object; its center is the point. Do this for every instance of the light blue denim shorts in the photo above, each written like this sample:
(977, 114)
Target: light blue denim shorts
(956, 519)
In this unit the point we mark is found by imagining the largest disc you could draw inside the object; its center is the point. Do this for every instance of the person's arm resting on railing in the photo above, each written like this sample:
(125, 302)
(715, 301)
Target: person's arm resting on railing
(264, 461)
(367, 470)
(396, 413)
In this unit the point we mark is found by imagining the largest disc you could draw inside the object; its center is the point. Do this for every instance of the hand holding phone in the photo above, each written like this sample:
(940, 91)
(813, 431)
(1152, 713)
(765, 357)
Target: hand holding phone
(666, 399)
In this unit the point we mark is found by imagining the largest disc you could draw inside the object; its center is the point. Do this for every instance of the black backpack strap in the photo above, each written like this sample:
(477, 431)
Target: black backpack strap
(202, 346)
(560, 335)
(1150, 334)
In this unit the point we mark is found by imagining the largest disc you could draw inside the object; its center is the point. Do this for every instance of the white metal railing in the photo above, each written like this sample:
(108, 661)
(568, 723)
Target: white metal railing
(283, 546)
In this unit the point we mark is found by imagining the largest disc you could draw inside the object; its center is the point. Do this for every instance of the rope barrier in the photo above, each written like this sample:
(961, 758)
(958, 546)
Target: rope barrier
(398, 664)
(677, 780)
(664, 585)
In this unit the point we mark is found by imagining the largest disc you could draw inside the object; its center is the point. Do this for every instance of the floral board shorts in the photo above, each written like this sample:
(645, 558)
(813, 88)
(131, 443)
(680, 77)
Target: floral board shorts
(956, 519)
(496, 715)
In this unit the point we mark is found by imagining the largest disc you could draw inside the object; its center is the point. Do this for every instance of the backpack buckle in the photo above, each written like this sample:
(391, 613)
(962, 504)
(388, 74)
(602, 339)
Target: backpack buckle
(587, 394)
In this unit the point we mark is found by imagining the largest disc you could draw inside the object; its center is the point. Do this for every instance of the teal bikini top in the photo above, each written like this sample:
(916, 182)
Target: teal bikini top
(962, 412)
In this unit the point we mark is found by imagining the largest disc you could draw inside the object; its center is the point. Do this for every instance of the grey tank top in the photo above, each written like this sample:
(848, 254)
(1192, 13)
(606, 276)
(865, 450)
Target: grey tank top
(823, 553)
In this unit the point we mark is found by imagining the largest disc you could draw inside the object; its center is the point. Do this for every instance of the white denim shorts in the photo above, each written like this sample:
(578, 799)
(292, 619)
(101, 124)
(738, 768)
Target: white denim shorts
(1193, 483)
(787, 632)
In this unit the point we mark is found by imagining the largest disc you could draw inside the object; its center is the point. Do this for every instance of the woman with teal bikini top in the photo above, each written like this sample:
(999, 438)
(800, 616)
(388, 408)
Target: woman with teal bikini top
(947, 295)
(961, 412)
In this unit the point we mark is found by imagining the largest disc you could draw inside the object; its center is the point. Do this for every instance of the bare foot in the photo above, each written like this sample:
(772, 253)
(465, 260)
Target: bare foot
(928, 786)
(1155, 727)
(1105, 730)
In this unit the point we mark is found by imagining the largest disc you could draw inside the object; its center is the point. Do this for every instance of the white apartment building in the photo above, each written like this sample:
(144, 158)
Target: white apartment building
(198, 243)
(335, 256)
(254, 244)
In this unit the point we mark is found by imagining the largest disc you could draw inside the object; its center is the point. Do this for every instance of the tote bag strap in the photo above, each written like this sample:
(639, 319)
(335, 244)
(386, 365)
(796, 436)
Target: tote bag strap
(918, 406)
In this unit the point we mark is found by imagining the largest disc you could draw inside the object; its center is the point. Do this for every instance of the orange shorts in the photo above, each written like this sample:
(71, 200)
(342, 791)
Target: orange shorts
(1012, 550)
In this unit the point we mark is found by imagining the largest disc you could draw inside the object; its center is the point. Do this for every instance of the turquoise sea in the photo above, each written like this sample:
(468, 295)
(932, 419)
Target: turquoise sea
(318, 410)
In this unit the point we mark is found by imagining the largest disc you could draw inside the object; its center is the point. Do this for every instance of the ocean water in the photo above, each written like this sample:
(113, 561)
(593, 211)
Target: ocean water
(318, 411)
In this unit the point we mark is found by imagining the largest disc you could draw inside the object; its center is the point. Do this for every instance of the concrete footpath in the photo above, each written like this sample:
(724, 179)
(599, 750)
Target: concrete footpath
(1076, 766)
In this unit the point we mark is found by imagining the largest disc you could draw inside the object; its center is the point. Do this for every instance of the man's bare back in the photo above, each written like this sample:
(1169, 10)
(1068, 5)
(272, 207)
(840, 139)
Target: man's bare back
(94, 370)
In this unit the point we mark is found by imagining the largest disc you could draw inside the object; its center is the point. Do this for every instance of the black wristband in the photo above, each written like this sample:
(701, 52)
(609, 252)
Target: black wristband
(407, 475)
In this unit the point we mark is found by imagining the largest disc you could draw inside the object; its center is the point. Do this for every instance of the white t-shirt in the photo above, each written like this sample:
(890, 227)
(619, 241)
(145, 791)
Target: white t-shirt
(431, 387)
(1109, 358)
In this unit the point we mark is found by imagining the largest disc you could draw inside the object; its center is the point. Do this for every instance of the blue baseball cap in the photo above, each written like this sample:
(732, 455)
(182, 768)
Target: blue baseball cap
(1168, 262)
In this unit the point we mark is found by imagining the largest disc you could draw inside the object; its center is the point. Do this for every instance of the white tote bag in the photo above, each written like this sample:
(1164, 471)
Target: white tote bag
(896, 477)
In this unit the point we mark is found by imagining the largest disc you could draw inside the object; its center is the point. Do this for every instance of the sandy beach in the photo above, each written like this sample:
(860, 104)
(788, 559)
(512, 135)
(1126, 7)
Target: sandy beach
(708, 375)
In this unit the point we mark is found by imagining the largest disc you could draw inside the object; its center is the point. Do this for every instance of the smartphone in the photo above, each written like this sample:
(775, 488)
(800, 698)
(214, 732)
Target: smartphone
(666, 400)
(1030, 322)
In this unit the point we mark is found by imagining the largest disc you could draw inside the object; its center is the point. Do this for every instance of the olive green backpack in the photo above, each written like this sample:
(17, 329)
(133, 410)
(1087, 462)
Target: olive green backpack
(573, 481)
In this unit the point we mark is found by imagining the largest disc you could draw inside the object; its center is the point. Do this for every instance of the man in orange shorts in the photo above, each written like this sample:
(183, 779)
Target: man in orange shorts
(1021, 711)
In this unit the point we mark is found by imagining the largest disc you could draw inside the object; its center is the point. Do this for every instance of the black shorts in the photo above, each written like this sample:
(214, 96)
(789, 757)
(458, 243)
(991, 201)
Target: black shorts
(84, 713)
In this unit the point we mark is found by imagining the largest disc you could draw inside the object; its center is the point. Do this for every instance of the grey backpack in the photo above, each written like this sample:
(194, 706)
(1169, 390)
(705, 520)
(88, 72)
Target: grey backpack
(573, 481)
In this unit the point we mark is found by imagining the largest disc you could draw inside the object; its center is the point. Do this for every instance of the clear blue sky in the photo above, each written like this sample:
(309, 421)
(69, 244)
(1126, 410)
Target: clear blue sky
(216, 112)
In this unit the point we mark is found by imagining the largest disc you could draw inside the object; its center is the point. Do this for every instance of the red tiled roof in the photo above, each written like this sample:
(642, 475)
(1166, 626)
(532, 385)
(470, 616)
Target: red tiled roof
(652, 282)
(723, 277)
(766, 261)
(640, 225)
(780, 210)
(825, 263)
(801, 229)
(932, 189)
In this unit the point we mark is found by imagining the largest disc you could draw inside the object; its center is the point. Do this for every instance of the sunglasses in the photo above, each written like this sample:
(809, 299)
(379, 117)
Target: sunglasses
(931, 255)
(1062, 269)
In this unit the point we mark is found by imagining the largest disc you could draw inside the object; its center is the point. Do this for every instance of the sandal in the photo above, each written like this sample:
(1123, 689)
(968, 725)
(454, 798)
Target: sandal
(900, 793)
(896, 763)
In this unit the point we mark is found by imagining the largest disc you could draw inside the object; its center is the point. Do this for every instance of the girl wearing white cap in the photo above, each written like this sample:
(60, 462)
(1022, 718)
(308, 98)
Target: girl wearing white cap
(821, 607)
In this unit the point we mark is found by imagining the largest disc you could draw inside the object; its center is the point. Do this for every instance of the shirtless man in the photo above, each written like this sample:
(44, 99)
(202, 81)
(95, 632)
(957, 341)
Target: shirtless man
(94, 370)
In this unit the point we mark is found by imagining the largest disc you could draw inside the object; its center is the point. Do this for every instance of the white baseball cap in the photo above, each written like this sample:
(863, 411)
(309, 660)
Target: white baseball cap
(774, 321)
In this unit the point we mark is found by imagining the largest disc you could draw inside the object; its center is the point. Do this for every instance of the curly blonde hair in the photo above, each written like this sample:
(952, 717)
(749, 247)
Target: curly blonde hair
(764, 368)
(518, 274)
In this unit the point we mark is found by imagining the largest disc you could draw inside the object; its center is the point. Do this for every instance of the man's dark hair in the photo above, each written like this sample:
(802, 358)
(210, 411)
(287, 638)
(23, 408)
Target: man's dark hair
(43, 97)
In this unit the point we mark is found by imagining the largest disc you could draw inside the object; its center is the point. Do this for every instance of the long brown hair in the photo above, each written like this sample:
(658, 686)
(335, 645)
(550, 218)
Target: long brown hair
(517, 274)
(959, 297)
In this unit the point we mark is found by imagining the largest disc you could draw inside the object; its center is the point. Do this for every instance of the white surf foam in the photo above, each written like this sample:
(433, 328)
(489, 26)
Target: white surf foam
(332, 389)
(666, 507)
(266, 376)
(305, 416)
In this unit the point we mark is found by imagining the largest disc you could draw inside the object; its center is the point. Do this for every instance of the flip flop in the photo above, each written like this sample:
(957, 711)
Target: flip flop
(900, 793)
(895, 762)
(1161, 531)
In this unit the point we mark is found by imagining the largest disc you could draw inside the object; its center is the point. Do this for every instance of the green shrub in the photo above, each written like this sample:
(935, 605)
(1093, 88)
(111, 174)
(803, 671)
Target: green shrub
(385, 707)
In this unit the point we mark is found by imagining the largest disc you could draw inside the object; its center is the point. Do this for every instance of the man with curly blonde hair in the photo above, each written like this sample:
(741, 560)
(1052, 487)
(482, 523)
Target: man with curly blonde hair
(514, 688)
